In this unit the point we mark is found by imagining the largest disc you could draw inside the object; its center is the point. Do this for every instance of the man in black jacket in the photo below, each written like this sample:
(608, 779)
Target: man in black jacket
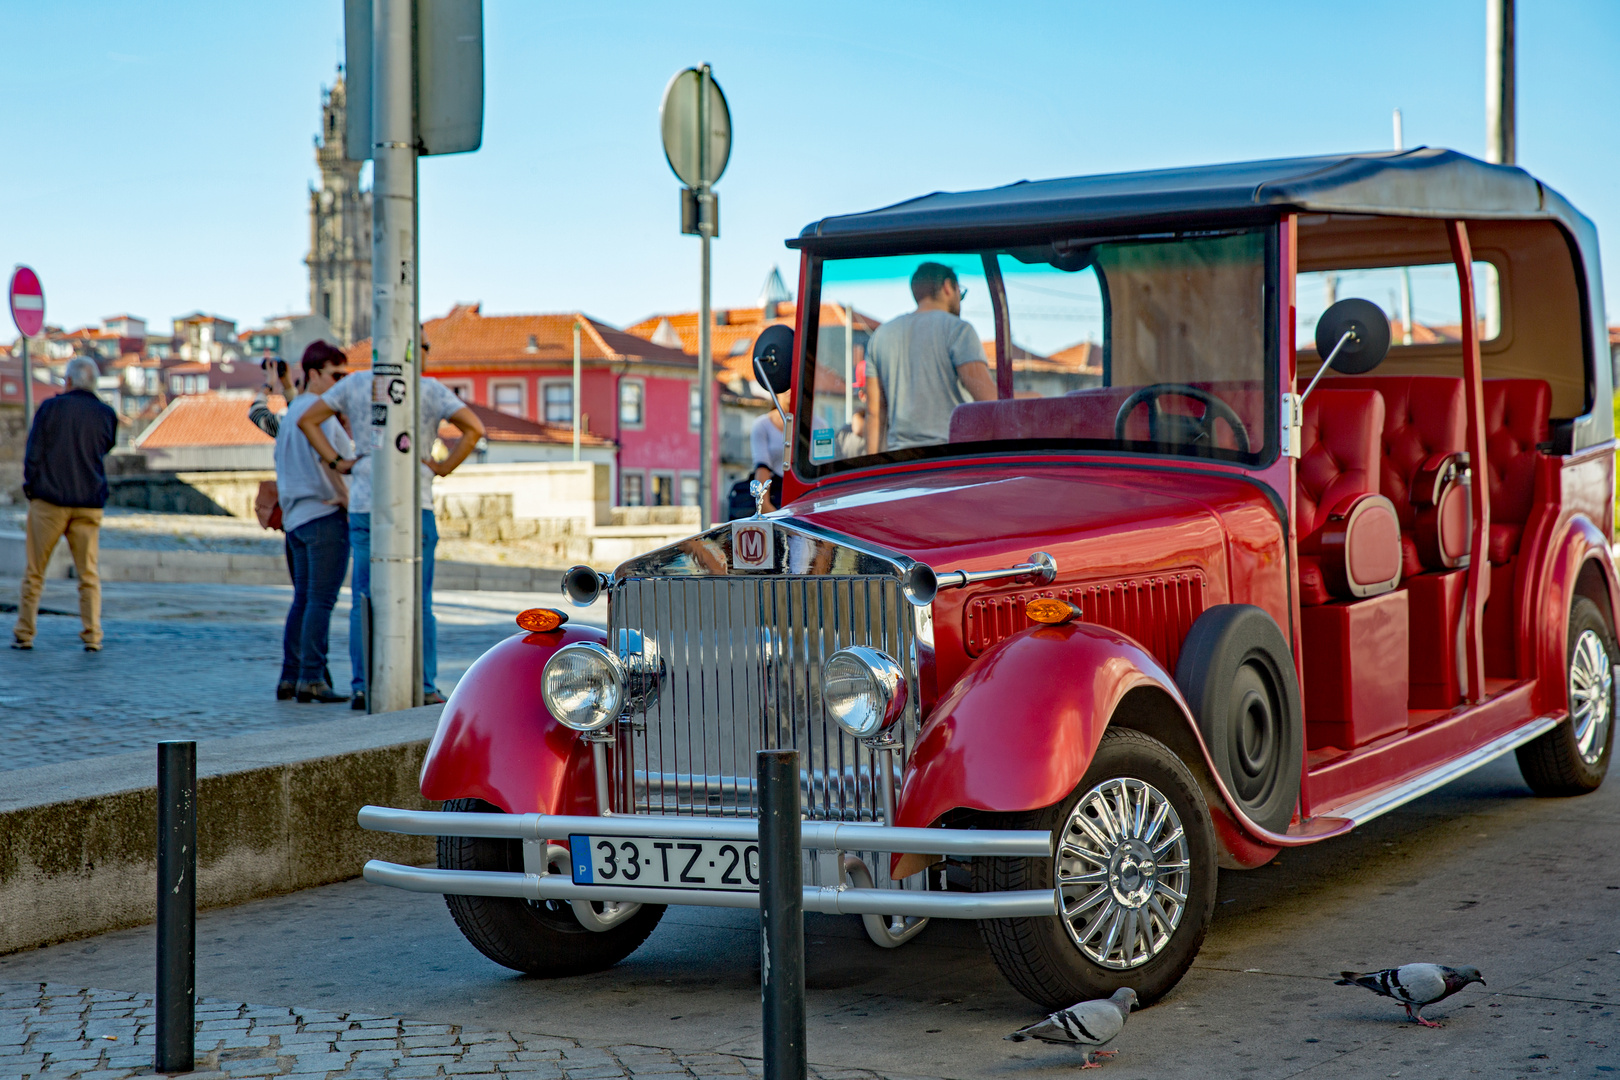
(65, 480)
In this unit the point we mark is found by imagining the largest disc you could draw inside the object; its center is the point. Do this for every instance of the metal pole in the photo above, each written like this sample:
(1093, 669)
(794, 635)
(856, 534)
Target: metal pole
(1501, 137)
(176, 907)
(394, 548)
(781, 915)
(28, 387)
(1406, 271)
(849, 363)
(575, 396)
(705, 355)
(418, 620)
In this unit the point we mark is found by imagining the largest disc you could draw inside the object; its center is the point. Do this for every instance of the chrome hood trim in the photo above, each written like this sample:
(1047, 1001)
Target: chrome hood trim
(801, 548)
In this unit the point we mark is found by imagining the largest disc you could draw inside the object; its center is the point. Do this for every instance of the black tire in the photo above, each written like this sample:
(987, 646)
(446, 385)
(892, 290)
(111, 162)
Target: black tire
(1237, 673)
(538, 938)
(1554, 764)
(1039, 955)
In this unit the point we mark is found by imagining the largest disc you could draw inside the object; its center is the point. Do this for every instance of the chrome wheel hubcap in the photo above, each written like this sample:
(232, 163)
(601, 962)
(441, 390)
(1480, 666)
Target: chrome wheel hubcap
(1591, 695)
(1122, 866)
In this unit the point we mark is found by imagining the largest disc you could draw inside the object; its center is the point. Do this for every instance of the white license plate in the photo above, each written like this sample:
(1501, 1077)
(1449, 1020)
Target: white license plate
(657, 863)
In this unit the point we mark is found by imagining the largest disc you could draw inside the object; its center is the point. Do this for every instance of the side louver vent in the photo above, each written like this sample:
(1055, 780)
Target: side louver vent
(1156, 611)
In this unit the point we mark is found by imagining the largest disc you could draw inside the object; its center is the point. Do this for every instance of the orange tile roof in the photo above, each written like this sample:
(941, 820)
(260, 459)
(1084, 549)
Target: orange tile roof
(217, 419)
(499, 427)
(1084, 357)
(466, 338)
(732, 332)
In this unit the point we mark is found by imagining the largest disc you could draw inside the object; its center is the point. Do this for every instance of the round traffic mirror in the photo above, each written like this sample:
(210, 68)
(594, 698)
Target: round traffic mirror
(1368, 342)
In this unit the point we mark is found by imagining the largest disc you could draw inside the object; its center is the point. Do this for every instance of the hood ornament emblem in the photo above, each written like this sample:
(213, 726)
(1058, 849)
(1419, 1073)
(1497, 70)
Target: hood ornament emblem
(759, 489)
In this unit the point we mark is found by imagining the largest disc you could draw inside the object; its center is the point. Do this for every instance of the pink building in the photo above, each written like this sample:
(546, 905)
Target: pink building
(640, 396)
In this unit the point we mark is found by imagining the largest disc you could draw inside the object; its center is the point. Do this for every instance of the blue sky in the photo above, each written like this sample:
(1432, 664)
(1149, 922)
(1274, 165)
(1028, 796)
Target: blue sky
(159, 155)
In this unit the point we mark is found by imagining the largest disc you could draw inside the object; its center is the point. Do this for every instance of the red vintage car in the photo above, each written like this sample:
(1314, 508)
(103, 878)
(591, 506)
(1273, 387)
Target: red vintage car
(1193, 515)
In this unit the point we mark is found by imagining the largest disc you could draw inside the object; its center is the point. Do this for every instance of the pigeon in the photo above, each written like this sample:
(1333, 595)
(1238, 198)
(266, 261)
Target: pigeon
(1090, 1023)
(1414, 985)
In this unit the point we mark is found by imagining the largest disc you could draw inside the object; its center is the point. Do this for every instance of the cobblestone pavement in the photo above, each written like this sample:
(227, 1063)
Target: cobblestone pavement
(49, 1030)
(191, 661)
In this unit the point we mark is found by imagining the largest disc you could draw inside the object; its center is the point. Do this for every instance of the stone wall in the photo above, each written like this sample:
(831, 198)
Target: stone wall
(13, 438)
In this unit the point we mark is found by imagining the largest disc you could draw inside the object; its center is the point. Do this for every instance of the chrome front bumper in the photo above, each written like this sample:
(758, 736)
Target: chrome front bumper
(832, 838)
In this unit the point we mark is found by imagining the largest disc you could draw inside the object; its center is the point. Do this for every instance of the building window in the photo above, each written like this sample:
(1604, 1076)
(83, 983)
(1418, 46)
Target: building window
(631, 401)
(689, 491)
(559, 402)
(462, 390)
(175, 385)
(630, 490)
(326, 305)
(663, 490)
(507, 398)
(694, 401)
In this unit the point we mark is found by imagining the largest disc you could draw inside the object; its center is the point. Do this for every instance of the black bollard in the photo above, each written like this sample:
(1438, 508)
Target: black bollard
(781, 915)
(176, 907)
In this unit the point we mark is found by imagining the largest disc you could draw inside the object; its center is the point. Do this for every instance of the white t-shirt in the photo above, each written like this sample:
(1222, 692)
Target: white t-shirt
(768, 443)
(352, 398)
(303, 482)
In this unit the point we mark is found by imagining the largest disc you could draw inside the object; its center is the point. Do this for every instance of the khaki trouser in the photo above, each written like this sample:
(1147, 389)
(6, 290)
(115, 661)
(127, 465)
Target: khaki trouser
(47, 523)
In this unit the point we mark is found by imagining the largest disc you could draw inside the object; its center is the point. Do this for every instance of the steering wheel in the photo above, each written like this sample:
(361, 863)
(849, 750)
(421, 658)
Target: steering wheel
(1175, 428)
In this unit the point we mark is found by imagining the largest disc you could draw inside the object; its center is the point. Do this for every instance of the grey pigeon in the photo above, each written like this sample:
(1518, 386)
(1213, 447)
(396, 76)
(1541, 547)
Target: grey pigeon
(1414, 985)
(1090, 1023)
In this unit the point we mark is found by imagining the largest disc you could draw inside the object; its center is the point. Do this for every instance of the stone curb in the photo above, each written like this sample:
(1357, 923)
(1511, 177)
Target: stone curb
(276, 813)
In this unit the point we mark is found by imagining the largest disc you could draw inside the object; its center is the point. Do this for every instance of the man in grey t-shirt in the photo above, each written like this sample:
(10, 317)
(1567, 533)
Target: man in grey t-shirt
(923, 365)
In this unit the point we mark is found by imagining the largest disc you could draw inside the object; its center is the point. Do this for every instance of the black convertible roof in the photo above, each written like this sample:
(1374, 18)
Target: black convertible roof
(1423, 182)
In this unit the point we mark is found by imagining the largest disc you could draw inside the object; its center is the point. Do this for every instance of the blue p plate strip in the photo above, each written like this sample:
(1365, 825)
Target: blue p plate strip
(580, 846)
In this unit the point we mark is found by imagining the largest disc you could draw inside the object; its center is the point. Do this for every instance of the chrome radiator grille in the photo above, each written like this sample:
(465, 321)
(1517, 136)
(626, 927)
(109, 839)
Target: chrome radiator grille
(741, 661)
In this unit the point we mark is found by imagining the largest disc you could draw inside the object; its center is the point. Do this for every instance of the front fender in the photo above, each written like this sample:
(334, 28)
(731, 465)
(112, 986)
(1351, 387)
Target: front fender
(1019, 729)
(497, 742)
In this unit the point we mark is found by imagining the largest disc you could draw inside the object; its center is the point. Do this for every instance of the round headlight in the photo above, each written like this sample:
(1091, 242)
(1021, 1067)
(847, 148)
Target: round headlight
(864, 690)
(583, 686)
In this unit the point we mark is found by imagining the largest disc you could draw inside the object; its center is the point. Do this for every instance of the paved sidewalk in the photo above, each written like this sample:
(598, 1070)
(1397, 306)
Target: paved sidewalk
(49, 1031)
(194, 661)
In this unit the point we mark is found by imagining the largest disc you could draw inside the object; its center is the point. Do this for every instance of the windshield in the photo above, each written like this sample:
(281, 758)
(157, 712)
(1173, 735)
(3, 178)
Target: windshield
(1156, 345)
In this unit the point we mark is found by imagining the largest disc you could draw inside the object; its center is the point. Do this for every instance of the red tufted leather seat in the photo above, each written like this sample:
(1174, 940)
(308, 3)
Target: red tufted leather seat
(1424, 415)
(1517, 415)
(1349, 533)
(1090, 414)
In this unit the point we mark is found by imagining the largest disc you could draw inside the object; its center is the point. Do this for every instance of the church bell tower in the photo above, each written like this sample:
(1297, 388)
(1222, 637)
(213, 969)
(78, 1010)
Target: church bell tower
(339, 230)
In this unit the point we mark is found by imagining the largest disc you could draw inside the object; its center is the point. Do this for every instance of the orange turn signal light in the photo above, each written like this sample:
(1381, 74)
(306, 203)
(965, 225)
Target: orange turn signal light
(541, 619)
(1050, 610)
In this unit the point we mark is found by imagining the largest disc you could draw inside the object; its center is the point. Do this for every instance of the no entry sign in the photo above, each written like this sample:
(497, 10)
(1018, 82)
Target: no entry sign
(27, 302)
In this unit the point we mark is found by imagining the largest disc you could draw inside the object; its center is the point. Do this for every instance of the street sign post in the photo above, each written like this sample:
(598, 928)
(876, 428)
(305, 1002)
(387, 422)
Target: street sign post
(415, 73)
(696, 125)
(28, 312)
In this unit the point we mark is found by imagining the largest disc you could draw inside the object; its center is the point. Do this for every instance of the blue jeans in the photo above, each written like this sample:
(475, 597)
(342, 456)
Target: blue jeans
(317, 555)
(360, 585)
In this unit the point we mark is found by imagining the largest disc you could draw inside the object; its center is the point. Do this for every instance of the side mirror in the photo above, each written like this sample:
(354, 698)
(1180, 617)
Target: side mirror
(773, 358)
(1367, 343)
(1352, 337)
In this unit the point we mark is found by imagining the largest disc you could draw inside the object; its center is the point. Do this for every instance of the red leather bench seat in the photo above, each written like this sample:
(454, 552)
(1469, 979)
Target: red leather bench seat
(1090, 413)
(1517, 413)
(1424, 415)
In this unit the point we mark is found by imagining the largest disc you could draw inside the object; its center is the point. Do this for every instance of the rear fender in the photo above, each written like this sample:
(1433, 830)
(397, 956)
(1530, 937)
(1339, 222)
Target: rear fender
(1019, 729)
(1578, 563)
(497, 742)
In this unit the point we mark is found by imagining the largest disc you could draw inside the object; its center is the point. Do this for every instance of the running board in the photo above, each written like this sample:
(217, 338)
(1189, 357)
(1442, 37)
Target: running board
(1359, 813)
